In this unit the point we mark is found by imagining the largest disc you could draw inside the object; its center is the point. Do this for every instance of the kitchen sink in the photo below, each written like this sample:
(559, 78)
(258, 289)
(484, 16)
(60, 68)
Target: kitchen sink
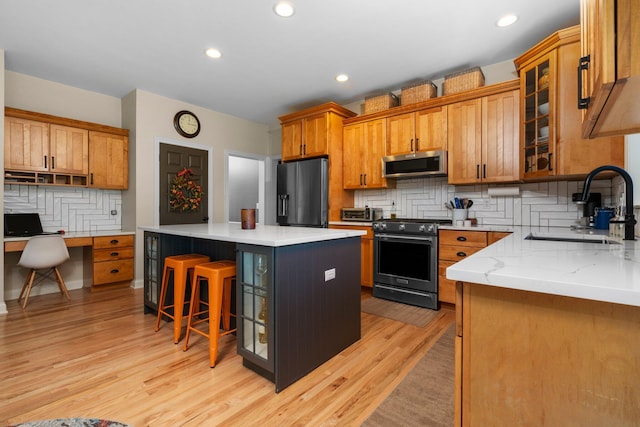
(577, 238)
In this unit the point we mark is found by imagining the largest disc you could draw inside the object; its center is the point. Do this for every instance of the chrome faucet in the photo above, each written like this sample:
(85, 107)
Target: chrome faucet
(629, 219)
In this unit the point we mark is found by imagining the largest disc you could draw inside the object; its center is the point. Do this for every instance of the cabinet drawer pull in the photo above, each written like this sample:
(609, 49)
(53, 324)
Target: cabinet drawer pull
(461, 239)
(461, 254)
(115, 253)
(115, 271)
(114, 241)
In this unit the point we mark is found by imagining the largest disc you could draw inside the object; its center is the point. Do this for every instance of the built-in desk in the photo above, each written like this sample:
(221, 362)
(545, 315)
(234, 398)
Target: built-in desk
(108, 255)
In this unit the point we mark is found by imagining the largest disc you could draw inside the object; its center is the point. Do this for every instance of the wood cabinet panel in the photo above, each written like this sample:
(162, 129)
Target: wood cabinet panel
(500, 137)
(463, 238)
(291, 140)
(26, 144)
(401, 134)
(424, 130)
(69, 150)
(111, 260)
(366, 252)
(465, 141)
(561, 360)
(610, 38)
(364, 147)
(115, 241)
(316, 136)
(108, 272)
(108, 161)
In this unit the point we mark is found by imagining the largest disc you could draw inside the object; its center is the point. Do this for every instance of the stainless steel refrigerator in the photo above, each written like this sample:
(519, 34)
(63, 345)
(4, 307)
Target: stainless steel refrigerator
(303, 193)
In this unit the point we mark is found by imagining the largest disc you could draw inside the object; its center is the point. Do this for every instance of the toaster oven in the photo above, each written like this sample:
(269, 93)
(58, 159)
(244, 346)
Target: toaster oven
(365, 214)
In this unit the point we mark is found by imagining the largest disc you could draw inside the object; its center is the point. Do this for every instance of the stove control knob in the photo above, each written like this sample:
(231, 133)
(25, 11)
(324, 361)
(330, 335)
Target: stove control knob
(383, 226)
(376, 226)
(422, 229)
(401, 227)
(431, 228)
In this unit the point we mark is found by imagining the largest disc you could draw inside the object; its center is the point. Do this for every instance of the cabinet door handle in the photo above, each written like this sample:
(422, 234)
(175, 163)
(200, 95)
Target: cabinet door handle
(461, 239)
(550, 164)
(304, 149)
(461, 254)
(115, 253)
(45, 162)
(583, 65)
(115, 270)
(53, 162)
(477, 171)
(300, 150)
(91, 178)
(360, 180)
(365, 179)
(411, 144)
(484, 170)
(114, 241)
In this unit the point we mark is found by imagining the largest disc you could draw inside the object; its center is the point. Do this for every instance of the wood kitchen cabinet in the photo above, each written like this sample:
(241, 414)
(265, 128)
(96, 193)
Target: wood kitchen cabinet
(364, 147)
(531, 359)
(455, 245)
(424, 130)
(366, 253)
(610, 67)
(108, 161)
(315, 132)
(312, 132)
(483, 139)
(551, 143)
(26, 144)
(111, 261)
(49, 150)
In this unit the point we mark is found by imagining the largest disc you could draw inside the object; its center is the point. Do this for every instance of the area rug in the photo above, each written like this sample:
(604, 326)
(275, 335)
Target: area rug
(71, 422)
(410, 314)
(425, 396)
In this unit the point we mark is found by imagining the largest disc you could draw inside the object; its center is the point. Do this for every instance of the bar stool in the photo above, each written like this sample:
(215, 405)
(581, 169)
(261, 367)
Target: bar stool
(182, 267)
(219, 275)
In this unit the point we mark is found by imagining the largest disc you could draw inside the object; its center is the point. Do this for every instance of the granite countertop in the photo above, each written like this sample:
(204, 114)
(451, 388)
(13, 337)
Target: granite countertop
(265, 235)
(595, 271)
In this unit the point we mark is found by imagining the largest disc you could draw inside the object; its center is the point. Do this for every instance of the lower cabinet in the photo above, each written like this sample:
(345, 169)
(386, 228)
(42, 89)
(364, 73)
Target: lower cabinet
(532, 359)
(366, 253)
(455, 245)
(111, 260)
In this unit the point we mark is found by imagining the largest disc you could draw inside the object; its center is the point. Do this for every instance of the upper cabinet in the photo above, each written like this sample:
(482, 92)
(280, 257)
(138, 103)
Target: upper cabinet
(44, 149)
(364, 145)
(424, 130)
(551, 143)
(309, 133)
(609, 67)
(108, 160)
(483, 139)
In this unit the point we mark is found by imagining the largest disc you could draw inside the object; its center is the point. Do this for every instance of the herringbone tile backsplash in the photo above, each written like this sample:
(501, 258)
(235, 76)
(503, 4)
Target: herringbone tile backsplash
(71, 209)
(538, 204)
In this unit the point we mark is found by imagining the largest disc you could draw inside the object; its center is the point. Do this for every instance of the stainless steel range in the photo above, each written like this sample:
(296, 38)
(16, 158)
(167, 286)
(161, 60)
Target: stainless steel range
(405, 264)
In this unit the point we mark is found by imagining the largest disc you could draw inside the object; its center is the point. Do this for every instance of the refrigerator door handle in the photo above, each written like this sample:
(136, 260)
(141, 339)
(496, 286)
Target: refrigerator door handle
(283, 204)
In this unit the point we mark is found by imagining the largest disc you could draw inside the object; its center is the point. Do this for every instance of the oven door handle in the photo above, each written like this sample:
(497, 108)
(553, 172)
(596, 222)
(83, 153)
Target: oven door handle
(400, 237)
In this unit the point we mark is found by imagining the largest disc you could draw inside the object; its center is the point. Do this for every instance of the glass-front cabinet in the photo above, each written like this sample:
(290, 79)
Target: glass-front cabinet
(538, 88)
(255, 305)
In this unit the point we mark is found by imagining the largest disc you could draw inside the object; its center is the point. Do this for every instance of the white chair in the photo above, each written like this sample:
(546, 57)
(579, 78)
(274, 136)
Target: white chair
(43, 252)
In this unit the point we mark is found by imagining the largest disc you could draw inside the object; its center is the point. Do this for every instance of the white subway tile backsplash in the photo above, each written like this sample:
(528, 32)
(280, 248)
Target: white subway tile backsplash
(539, 204)
(66, 208)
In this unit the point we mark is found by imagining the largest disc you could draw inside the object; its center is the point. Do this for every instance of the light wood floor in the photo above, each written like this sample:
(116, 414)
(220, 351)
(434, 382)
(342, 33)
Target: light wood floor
(98, 356)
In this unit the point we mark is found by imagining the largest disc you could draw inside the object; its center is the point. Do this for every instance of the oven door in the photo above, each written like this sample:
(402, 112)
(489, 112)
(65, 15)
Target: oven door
(408, 262)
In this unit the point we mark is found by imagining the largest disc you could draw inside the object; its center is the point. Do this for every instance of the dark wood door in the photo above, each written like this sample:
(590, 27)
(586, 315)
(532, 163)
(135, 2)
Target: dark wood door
(173, 159)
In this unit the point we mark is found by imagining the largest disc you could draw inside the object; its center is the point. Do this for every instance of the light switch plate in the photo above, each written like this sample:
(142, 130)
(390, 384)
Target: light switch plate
(329, 274)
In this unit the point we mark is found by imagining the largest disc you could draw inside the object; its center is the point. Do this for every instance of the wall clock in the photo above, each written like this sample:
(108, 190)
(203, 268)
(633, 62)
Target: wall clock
(186, 124)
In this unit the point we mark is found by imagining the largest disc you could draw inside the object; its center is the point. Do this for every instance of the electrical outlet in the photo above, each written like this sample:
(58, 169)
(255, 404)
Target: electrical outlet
(114, 212)
(329, 274)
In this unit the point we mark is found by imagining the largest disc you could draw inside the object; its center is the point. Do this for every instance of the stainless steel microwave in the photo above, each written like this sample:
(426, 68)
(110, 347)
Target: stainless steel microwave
(427, 163)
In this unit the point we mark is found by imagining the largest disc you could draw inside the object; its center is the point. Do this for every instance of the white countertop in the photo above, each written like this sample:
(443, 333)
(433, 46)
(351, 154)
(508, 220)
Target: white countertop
(265, 235)
(601, 272)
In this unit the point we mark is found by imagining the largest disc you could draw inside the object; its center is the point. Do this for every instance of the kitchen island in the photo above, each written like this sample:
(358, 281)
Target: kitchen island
(297, 292)
(548, 332)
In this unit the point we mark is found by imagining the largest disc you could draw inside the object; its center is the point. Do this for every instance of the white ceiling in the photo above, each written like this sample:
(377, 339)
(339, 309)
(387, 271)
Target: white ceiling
(270, 65)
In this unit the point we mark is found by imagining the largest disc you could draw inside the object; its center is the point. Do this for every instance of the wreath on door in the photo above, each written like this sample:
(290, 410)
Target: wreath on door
(185, 194)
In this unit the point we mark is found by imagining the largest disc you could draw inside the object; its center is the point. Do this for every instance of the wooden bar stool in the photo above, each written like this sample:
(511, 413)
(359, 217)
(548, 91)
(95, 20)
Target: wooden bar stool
(182, 267)
(219, 275)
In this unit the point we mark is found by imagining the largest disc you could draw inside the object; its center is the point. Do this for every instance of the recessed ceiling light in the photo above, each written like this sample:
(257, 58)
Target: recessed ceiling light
(283, 8)
(213, 53)
(507, 20)
(342, 78)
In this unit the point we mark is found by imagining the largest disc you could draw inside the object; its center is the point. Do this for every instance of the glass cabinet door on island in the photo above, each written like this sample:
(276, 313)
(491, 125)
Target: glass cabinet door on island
(255, 305)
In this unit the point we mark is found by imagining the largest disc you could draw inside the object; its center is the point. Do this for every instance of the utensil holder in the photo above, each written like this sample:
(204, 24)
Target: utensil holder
(460, 214)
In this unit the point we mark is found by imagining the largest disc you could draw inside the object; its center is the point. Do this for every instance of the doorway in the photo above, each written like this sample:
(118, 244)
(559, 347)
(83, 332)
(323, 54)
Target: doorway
(183, 169)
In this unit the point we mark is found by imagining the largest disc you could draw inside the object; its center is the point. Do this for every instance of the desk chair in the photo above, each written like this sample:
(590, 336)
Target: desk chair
(43, 252)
